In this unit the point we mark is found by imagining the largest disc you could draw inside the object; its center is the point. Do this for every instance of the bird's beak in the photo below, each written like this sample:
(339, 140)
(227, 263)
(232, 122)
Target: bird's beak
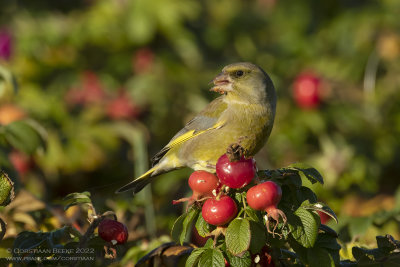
(222, 83)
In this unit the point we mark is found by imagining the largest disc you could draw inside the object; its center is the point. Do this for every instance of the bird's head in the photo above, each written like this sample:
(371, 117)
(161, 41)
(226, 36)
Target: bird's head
(245, 82)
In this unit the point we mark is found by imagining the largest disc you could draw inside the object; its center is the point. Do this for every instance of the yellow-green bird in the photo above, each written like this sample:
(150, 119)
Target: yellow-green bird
(245, 112)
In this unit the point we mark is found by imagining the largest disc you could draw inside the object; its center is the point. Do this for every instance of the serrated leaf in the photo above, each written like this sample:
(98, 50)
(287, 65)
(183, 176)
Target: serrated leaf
(309, 172)
(318, 257)
(322, 207)
(209, 243)
(258, 237)
(387, 243)
(212, 257)
(252, 214)
(242, 261)
(187, 223)
(6, 189)
(194, 257)
(238, 236)
(203, 228)
(22, 136)
(303, 225)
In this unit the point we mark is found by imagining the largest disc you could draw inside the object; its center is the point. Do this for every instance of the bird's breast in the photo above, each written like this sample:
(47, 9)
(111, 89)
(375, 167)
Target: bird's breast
(248, 124)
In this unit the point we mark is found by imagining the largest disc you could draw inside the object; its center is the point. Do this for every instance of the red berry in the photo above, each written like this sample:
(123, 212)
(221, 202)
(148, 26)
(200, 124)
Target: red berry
(122, 107)
(143, 60)
(92, 87)
(306, 91)
(324, 217)
(235, 174)
(197, 239)
(113, 231)
(219, 211)
(22, 162)
(264, 196)
(202, 183)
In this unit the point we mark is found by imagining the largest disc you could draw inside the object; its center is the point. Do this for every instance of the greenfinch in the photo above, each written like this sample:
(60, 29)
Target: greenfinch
(244, 112)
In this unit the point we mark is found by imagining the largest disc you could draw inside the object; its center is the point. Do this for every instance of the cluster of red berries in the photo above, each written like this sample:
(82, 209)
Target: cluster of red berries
(219, 208)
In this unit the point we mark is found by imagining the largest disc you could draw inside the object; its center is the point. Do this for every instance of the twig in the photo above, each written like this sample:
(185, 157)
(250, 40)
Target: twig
(85, 238)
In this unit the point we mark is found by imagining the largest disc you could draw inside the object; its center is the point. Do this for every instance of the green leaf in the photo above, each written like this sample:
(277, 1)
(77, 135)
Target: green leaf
(306, 193)
(85, 194)
(258, 237)
(209, 243)
(387, 243)
(327, 230)
(327, 241)
(252, 214)
(238, 236)
(194, 257)
(22, 136)
(242, 261)
(239, 196)
(363, 253)
(319, 206)
(203, 228)
(6, 189)
(318, 257)
(309, 172)
(330, 244)
(182, 225)
(212, 257)
(187, 224)
(29, 240)
(75, 199)
(178, 227)
(303, 225)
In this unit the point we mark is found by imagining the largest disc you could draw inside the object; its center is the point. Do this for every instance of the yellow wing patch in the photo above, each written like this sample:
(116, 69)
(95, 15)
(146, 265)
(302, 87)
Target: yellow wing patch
(191, 134)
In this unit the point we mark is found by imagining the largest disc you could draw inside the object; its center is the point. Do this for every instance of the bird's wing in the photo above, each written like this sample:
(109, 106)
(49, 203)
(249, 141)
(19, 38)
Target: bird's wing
(206, 120)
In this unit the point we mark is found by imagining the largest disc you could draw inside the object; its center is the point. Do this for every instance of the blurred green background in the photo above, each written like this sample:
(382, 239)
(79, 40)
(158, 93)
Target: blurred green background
(106, 84)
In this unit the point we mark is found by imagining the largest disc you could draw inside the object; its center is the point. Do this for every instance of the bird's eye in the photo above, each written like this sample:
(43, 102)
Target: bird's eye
(239, 73)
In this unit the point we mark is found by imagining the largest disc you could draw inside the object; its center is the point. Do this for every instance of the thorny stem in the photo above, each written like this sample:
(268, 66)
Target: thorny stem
(85, 238)
(244, 205)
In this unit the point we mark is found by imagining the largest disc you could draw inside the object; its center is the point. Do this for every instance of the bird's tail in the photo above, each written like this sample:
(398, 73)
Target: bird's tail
(140, 182)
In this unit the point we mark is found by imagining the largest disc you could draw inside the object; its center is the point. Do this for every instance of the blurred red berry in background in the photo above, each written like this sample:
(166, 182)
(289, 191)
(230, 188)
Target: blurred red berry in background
(143, 60)
(306, 90)
(90, 91)
(122, 107)
(5, 44)
(22, 162)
